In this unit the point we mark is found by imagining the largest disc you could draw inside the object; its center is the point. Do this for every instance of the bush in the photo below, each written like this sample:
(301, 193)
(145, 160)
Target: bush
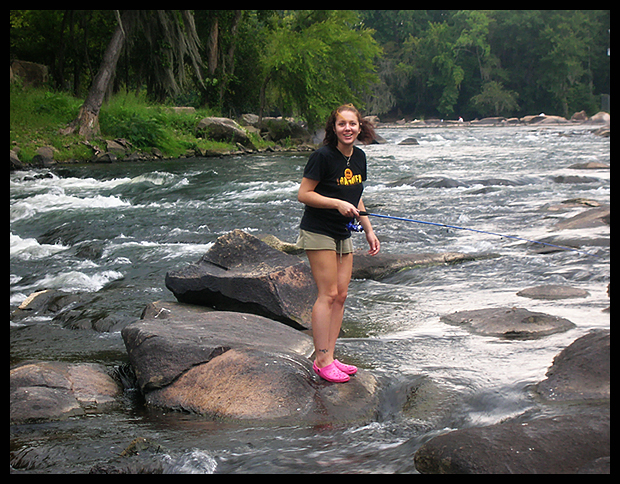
(140, 131)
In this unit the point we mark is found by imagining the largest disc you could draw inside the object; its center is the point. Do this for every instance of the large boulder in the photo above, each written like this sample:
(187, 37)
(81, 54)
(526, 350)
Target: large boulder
(594, 217)
(241, 273)
(600, 118)
(279, 129)
(173, 337)
(555, 445)
(230, 365)
(56, 390)
(31, 74)
(223, 129)
(575, 442)
(508, 322)
(582, 371)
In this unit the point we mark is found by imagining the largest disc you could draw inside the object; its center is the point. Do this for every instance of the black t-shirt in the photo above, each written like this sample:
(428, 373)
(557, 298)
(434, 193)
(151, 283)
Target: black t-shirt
(337, 179)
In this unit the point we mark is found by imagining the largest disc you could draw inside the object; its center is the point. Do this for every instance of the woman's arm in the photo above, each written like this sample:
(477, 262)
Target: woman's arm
(308, 196)
(373, 241)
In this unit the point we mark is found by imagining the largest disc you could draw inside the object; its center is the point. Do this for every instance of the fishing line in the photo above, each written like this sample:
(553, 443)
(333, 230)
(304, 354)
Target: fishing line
(356, 227)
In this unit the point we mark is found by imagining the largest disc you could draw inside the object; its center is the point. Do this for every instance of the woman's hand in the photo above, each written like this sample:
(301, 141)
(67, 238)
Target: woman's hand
(347, 209)
(373, 243)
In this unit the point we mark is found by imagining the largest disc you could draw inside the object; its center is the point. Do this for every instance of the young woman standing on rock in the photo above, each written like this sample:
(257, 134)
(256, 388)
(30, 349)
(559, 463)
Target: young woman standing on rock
(331, 189)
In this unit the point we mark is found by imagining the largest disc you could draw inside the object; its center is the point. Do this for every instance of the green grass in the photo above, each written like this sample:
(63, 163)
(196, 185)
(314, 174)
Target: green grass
(38, 114)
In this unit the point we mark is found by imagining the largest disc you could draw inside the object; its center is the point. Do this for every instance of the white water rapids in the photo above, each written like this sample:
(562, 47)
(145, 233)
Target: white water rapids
(144, 219)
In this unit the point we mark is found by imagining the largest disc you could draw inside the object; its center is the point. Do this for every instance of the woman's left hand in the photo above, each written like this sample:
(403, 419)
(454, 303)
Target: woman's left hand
(373, 243)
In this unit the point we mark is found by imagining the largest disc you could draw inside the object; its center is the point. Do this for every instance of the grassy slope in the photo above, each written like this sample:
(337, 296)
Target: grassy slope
(38, 114)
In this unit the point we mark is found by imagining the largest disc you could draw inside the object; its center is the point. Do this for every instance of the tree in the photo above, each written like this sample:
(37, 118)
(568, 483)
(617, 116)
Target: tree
(315, 60)
(87, 121)
(496, 100)
(172, 35)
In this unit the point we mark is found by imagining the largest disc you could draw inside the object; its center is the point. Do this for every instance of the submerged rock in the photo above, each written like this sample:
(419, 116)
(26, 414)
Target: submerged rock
(382, 265)
(230, 365)
(508, 322)
(241, 273)
(553, 292)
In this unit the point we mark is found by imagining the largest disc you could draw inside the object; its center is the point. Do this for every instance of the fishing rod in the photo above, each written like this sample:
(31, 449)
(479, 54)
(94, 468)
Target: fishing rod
(356, 227)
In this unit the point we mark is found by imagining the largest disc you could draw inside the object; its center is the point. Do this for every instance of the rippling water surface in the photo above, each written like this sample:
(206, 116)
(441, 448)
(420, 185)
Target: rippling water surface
(143, 219)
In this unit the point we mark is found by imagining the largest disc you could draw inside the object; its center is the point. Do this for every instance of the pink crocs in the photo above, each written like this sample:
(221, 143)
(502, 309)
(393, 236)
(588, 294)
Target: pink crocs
(348, 369)
(331, 373)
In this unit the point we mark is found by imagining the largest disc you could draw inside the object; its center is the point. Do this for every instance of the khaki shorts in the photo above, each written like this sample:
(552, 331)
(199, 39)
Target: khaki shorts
(312, 241)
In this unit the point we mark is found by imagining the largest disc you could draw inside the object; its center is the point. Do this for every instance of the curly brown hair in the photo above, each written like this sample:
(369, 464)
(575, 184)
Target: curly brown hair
(367, 131)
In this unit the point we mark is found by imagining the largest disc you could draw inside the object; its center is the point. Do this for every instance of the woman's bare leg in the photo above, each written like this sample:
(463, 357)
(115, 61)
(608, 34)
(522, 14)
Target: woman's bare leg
(332, 273)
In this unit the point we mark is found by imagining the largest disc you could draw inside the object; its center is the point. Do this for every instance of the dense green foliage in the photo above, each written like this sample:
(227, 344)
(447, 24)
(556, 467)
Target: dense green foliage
(423, 63)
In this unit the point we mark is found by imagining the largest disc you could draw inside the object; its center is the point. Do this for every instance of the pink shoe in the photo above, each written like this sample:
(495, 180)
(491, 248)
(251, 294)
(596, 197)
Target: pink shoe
(348, 369)
(331, 373)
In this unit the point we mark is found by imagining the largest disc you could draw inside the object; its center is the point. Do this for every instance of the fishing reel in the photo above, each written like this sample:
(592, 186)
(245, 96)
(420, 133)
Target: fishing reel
(354, 226)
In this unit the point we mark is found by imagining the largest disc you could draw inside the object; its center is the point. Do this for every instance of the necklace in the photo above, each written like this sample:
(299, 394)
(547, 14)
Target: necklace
(348, 158)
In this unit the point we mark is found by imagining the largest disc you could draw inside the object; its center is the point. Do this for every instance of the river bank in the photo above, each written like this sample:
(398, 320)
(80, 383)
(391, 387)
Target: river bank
(133, 130)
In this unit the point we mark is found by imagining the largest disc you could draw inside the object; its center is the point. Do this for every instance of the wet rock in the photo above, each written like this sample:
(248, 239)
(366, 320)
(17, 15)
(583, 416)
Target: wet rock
(556, 445)
(429, 182)
(600, 118)
(279, 129)
(382, 265)
(409, 142)
(49, 302)
(576, 242)
(223, 129)
(566, 205)
(44, 156)
(508, 322)
(175, 337)
(575, 179)
(553, 292)
(581, 371)
(241, 273)
(71, 311)
(14, 162)
(595, 217)
(55, 390)
(254, 384)
(229, 365)
(141, 456)
(590, 165)
(286, 247)
(575, 442)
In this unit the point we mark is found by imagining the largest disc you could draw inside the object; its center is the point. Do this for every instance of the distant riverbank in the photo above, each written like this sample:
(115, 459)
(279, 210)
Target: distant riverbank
(134, 130)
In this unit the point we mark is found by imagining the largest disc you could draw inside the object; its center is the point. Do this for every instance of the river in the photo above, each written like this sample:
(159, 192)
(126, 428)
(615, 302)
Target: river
(144, 219)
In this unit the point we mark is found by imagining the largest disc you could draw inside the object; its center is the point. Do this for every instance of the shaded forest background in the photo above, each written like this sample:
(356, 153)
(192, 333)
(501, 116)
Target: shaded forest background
(392, 63)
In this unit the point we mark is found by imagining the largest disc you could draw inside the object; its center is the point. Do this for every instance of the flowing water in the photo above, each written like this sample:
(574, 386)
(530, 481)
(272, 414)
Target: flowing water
(144, 219)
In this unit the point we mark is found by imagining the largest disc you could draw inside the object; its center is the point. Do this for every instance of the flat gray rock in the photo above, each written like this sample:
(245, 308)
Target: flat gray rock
(508, 322)
(553, 292)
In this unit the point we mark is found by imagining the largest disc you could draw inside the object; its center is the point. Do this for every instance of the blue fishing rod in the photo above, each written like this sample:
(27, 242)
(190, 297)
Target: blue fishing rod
(356, 227)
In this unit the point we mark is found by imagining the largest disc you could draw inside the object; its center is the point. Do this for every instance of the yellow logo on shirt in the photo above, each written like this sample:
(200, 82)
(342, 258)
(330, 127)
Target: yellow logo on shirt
(349, 178)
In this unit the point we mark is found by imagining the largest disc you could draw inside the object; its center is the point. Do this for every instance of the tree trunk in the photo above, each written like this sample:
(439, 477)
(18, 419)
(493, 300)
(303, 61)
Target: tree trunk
(212, 50)
(263, 89)
(87, 122)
